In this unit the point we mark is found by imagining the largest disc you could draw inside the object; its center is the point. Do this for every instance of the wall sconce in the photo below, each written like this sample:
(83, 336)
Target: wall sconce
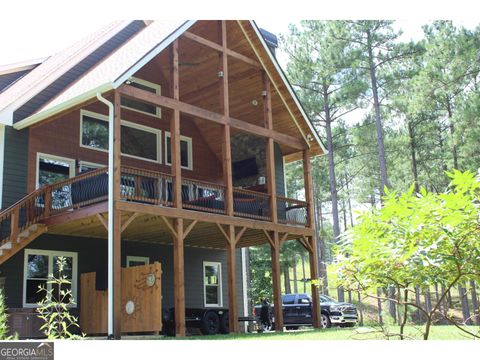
(264, 93)
(220, 74)
(254, 102)
(309, 137)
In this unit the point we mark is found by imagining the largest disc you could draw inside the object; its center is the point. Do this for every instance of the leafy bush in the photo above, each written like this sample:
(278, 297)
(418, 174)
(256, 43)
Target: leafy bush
(53, 308)
(4, 320)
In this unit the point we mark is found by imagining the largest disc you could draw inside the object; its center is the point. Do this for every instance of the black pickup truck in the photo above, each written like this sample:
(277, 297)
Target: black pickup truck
(297, 311)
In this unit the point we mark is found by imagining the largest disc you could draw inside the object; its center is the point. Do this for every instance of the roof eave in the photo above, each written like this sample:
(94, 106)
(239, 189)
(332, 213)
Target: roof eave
(42, 115)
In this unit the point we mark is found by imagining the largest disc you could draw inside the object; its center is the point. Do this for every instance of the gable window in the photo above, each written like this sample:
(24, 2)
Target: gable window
(140, 106)
(212, 283)
(137, 141)
(39, 266)
(186, 151)
(137, 260)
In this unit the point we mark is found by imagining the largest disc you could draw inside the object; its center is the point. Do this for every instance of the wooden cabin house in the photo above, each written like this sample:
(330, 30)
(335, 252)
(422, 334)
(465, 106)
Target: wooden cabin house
(204, 121)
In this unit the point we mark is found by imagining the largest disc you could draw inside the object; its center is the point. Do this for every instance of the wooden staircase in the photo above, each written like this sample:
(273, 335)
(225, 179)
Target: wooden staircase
(10, 248)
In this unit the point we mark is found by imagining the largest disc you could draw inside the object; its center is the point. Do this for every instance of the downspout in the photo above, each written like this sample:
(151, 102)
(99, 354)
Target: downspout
(110, 318)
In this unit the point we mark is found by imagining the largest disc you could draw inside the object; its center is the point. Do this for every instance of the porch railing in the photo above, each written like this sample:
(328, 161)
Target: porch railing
(143, 186)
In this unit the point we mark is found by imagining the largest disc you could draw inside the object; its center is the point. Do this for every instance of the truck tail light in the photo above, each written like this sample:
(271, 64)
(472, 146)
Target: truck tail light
(254, 312)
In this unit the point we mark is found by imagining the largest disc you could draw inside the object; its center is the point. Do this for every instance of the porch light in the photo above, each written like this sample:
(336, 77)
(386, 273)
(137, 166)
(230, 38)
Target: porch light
(254, 102)
(264, 93)
(309, 137)
(220, 74)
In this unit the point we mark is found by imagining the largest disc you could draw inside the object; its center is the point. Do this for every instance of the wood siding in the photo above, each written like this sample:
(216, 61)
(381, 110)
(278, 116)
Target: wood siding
(61, 137)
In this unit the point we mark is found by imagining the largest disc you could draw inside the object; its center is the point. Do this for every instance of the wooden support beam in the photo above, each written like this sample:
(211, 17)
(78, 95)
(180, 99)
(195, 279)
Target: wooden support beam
(224, 104)
(170, 227)
(48, 202)
(276, 283)
(175, 133)
(212, 218)
(179, 279)
(219, 48)
(232, 284)
(307, 178)
(189, 228)
(102, 220)
(270, 154)
(284, 238)
(117, 222)
(313, 257)
(305, 244)
(222, 230)
(129, 221)
(240, 234)
(269, 238)
(77, 214)
(240, 125)
(14, 225)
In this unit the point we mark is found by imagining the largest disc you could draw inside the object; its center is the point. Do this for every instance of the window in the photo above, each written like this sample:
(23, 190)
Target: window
(137, 261)
(304, 299)
(288, 299)
(212, 282)
(186, 153)
(86, 166)
(52, 169)
(139, 106)
(39, 267)
(137, 141)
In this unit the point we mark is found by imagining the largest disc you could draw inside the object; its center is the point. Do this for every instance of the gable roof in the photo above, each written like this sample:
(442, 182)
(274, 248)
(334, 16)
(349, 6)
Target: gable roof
(49, 70)
(113, 71)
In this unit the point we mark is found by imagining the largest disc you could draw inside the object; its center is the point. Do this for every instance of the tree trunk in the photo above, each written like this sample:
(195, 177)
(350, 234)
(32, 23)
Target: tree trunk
(411, 135)
(295, 278)
(378, 121)
(451, 126)
(360, 310)
(418, 313)
(379, 306)
(391, 303)
(475, 308)
(322, 255)
(349, 205)
(304, 274)
(449, 299)
(462, 292)
(286, 277)
(344, 211)
(428, 300)
(331, 164)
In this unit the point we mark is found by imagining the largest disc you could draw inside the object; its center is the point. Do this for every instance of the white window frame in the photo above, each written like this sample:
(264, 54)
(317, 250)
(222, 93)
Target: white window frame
(220, 295)
(90, 164)
(157, 132)
(154, 86)
(69, 161)
(50, 254)
(189, 142)
(145, 259)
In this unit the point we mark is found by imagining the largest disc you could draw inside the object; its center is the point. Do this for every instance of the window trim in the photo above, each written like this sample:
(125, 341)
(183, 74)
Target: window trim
(88, 163)
(145, 259)
(189, 148)
(158, 91)
(69, 161)
(220, 290)
(50, 254)
(157, 132)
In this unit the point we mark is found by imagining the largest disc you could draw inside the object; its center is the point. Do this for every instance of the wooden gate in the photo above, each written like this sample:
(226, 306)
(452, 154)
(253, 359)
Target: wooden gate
(141, 301)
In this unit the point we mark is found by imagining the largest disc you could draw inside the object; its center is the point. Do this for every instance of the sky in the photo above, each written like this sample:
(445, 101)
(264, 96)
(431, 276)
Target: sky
(51, 25)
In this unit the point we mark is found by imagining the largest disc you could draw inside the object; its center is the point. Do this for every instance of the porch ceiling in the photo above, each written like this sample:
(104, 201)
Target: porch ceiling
(152, 229)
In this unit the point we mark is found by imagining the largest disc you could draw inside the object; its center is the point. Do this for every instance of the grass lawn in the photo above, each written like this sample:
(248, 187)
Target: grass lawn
(363, 333)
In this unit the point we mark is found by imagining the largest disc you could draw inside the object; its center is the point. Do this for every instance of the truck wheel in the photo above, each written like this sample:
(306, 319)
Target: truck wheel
(210, 324)
(224, 323)
(326, 323)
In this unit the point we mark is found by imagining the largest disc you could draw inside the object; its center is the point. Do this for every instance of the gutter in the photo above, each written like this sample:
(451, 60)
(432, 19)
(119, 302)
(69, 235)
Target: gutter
(111, 110)
(43, 114)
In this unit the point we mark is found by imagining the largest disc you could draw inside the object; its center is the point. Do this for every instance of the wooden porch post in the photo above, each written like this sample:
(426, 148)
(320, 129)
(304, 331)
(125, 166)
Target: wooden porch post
(232, 283)
(227, 177)
(178, 239)
(276, 282)
(313, 253)
(270, 154)
(117, 222)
